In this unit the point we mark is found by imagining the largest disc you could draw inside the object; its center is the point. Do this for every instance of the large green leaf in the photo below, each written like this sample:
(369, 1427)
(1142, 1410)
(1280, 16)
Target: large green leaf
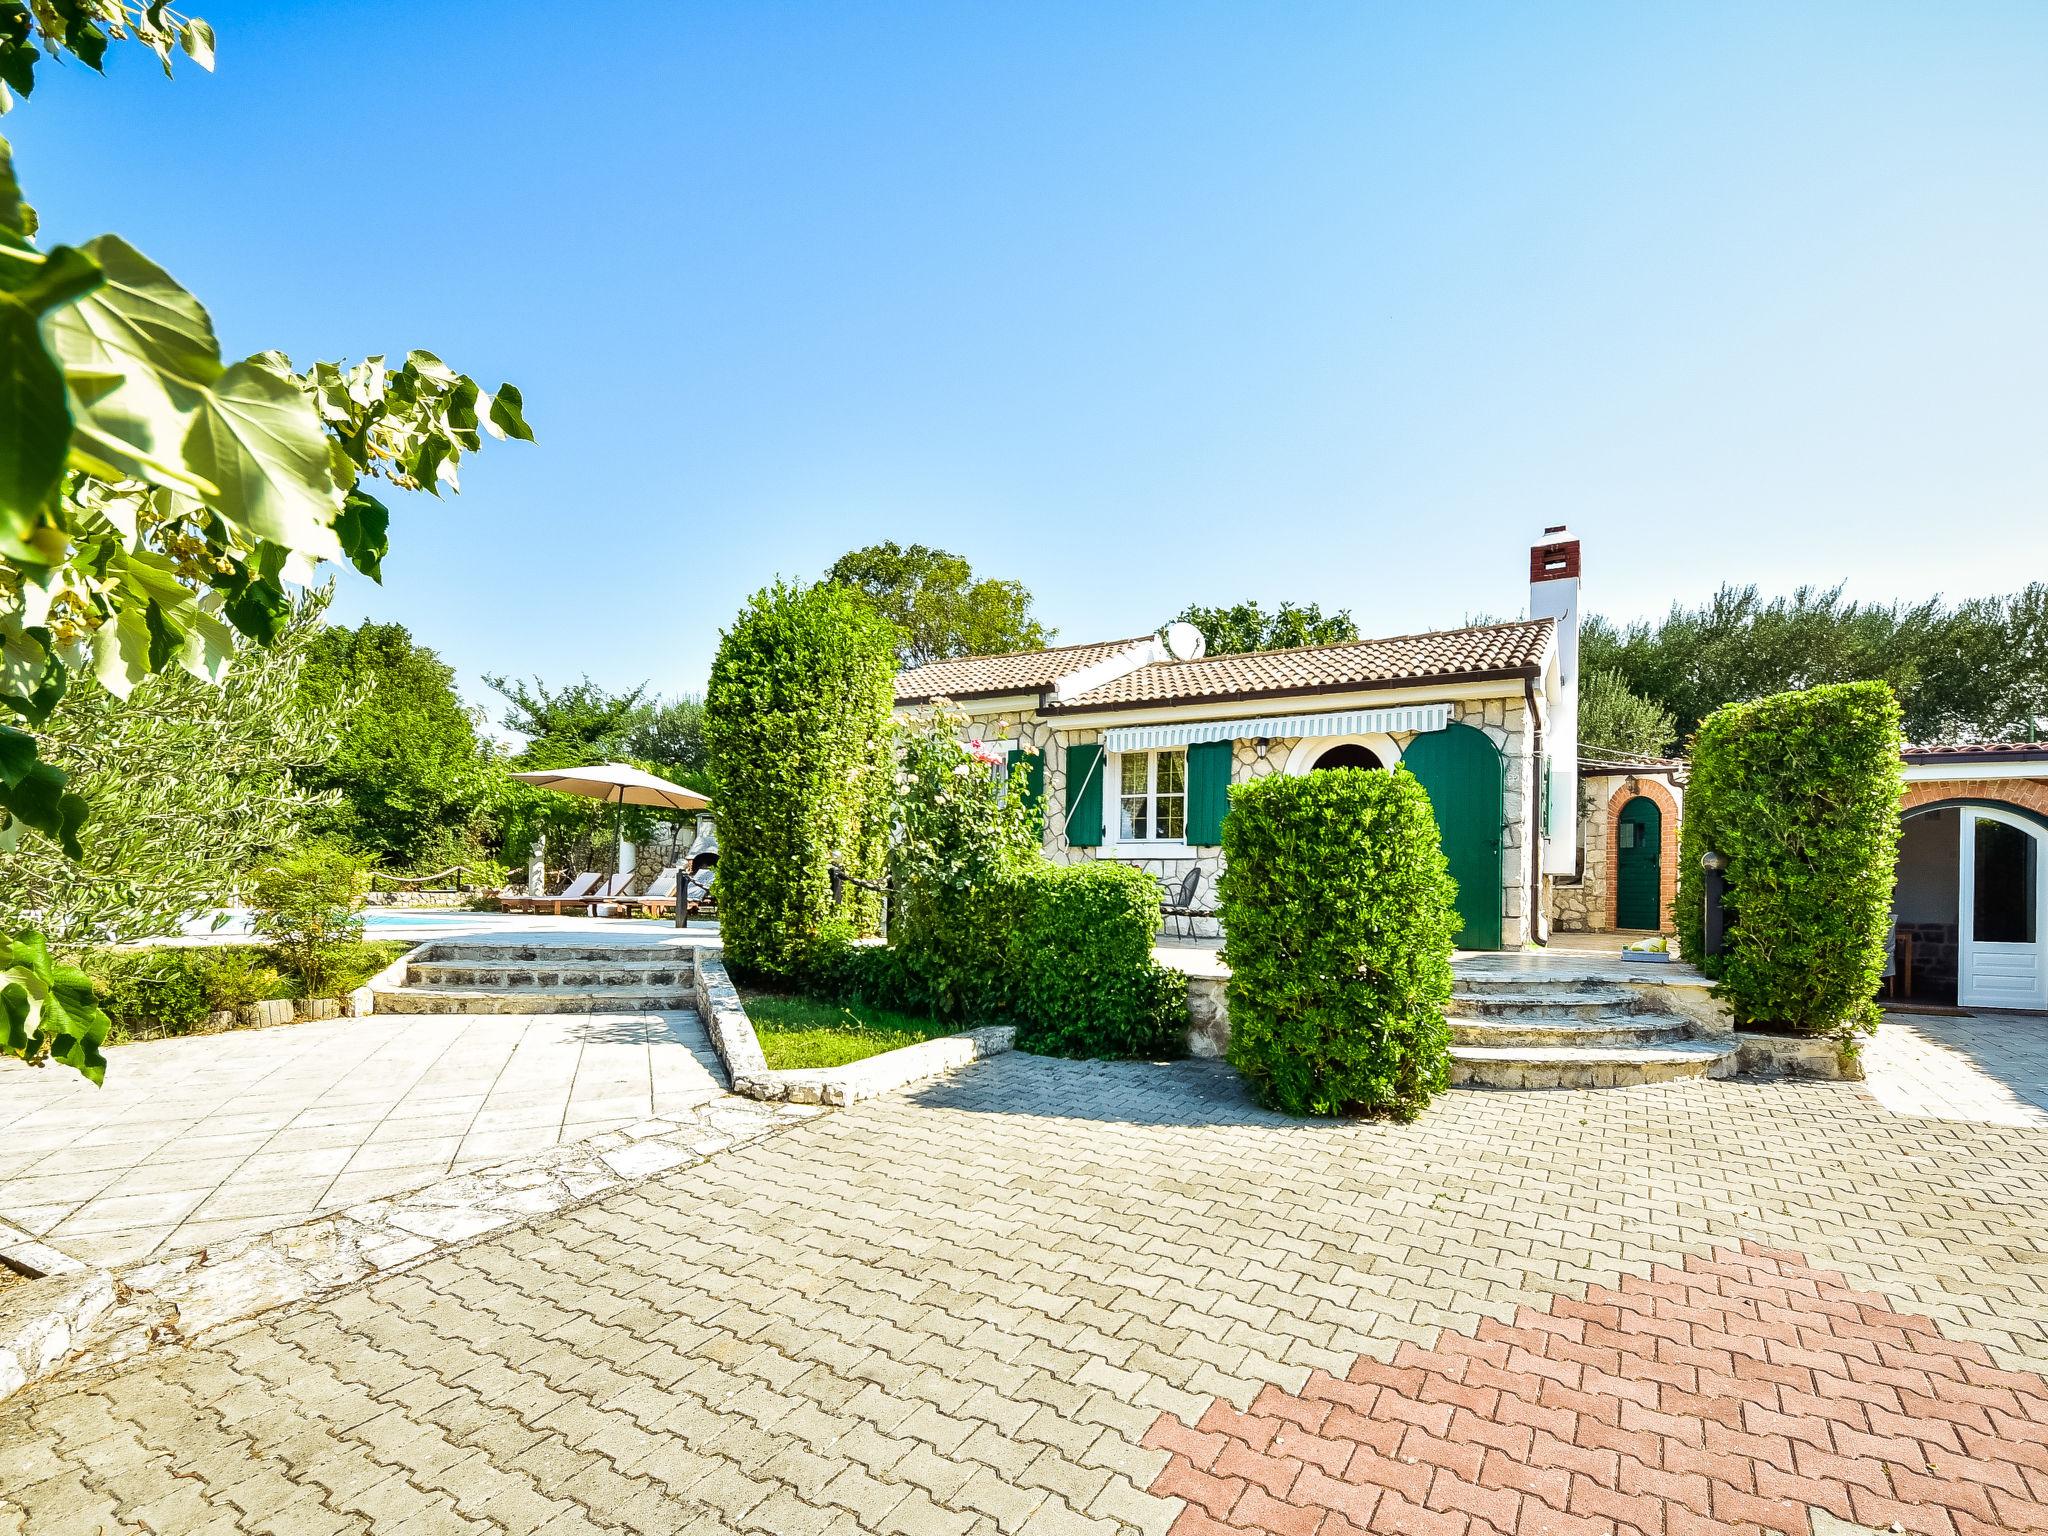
(258, 439)
(35, 424)
(508, 414)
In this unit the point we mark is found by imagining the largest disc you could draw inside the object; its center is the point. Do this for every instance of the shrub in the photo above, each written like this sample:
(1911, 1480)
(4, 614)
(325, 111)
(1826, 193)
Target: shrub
(1338, 917)
(174, 988)
(1087, 981)
(309, 905)
(796, 722)
(1799, 792)
(964, 840)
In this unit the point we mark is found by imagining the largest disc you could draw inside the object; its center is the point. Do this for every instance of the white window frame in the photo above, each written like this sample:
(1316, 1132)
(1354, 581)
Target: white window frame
(1114, 792)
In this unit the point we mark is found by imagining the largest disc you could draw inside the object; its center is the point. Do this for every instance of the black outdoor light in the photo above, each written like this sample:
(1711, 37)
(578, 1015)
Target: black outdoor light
(1716, 867)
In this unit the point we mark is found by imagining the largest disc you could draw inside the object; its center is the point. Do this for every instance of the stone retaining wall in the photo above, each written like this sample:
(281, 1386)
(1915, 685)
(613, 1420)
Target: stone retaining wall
(746, 1068)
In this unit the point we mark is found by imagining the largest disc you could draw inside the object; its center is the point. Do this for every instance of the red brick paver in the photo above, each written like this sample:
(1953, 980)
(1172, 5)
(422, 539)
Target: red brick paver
(1735, 1395)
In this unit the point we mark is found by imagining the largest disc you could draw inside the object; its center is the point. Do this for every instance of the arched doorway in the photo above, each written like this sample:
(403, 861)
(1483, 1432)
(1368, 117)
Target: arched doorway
(1348, 755)
(1972, 905)
(1638, 867)
(1460, 768)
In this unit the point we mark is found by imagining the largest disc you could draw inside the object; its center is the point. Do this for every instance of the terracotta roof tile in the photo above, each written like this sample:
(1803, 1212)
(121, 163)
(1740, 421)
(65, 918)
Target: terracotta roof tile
(1494, 650)
(974, 677)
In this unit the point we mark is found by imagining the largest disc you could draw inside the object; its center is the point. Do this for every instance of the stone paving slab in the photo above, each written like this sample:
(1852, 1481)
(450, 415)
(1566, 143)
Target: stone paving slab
(1986, 1067)
(207, 1138)
(969, 1308)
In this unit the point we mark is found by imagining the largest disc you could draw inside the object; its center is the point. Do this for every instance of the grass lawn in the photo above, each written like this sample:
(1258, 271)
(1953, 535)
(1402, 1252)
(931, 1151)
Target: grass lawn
(801, 1032)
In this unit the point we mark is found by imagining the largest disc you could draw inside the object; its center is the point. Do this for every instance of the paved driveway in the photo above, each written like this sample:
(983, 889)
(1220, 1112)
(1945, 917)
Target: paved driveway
(1050, 1297)
(204, 1138)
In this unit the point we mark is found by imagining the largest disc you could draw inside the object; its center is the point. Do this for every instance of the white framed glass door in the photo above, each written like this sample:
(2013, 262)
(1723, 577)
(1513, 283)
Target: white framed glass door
(2003, 903)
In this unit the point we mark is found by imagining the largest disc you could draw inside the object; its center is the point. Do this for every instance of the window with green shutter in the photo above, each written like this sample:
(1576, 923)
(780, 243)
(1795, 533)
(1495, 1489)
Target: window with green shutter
(1208, 791)
(1084, 794)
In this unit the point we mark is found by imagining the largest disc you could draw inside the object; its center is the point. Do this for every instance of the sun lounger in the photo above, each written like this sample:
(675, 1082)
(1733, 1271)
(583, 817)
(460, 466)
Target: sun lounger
(576, 890)
(660, 895)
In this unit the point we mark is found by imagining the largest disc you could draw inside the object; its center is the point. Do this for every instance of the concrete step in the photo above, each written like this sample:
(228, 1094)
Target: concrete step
(533, 1000)
(550, 973)
(1598, 1029)
(1583, 1066)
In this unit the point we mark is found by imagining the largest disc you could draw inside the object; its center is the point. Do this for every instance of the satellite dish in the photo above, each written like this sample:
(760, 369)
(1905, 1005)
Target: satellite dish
(1184, 642)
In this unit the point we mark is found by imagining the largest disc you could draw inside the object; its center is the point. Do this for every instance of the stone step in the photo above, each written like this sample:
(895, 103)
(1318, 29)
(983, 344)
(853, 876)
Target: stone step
(533, 1000)
(1582, 1066)
(1595, 1030)
(1557, 1003)
(499, 951)
(549, 973)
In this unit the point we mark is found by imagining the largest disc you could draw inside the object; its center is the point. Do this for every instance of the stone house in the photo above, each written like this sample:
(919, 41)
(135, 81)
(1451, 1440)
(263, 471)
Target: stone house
(1130, 745)
(1628, 849)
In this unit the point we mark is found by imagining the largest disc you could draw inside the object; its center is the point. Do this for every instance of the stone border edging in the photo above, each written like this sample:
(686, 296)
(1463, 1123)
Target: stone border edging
(78, 1321)
(746, 1068)
(1820, 1057)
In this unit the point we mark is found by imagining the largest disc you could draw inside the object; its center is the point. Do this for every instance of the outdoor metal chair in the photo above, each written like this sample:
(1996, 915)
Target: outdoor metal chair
(1183, 905)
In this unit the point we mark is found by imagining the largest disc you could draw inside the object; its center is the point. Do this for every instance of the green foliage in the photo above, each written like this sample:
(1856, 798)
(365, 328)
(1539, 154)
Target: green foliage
(1614, 720)
(413, 783)
(1800, 793)
(1338, 915)
(172, 990)
(192, 784)
(1089, 985)
(938, 607)
(84, 29)
(797, 1032)
(47, 1012)
(309, 905)
(797, 724)
(1973, 670)
(1248, 627)
(964, 839)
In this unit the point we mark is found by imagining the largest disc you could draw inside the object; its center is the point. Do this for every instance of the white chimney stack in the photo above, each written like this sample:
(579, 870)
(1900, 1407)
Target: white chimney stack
(1554, 594)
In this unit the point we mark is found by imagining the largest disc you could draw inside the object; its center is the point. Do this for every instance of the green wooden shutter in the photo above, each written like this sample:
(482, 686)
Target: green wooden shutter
(1084, 794)
(1208, 791)
(1034, 775)
(1034, 784)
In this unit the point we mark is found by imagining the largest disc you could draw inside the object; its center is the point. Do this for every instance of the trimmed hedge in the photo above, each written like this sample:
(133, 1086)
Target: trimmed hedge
(796, 725)
(1087, 982)
(1800, 793)
(1338, 918)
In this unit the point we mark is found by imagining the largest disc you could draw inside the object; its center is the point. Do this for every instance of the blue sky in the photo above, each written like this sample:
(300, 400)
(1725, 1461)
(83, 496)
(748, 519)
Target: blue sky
(1140, 304)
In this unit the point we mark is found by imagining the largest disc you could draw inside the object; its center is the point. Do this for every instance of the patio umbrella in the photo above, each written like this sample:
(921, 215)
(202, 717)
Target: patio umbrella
(617, 784)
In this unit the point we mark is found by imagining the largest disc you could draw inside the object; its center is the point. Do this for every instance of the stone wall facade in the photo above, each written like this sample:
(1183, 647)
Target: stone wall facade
(1503, 719)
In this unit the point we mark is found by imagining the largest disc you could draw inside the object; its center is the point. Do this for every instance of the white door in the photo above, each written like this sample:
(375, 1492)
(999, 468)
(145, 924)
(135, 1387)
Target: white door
(2004, 898)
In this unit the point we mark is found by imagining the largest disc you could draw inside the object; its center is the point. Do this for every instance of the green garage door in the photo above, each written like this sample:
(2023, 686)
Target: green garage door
(1639, 844)
(1461, 770)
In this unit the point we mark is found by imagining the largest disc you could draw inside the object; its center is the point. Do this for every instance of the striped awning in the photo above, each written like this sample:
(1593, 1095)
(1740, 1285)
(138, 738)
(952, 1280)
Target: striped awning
(1343, 722)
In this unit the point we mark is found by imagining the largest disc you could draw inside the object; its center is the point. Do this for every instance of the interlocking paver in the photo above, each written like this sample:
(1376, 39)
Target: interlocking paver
(1049, 1296)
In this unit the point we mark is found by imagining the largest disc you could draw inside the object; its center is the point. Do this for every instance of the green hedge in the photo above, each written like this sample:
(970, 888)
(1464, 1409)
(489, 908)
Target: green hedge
(1087, 982)
(1338, 919)
(172, 989)
(1800, 793)
(796, 725)
(1064, 954)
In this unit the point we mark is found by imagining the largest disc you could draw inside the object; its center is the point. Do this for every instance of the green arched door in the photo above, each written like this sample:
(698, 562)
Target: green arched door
(1638, 877)
(1461, 770)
